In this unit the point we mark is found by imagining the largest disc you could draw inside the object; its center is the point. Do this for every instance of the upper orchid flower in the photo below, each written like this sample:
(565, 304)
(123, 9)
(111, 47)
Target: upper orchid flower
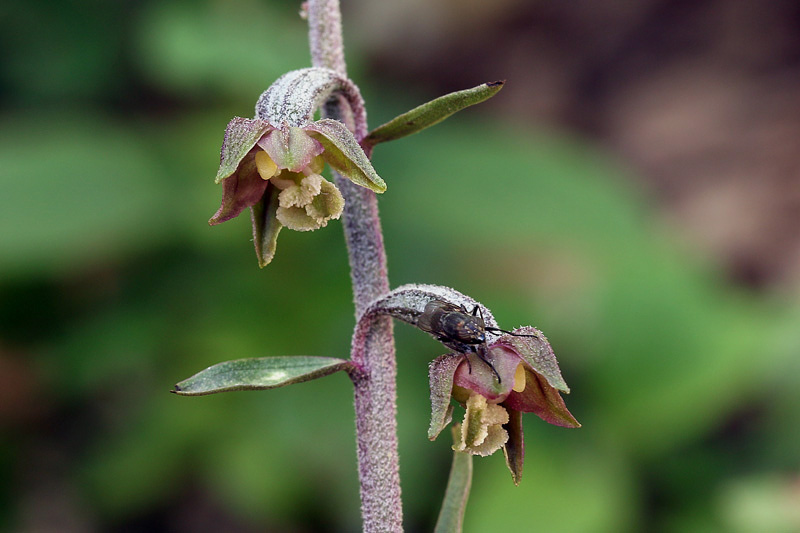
(272, 163)
(529, 382)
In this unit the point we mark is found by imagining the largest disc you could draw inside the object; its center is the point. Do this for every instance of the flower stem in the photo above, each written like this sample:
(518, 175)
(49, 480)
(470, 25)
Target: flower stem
(375, 390)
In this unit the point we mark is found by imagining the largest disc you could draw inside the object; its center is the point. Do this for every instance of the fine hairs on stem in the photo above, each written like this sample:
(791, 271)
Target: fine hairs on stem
(375, 388)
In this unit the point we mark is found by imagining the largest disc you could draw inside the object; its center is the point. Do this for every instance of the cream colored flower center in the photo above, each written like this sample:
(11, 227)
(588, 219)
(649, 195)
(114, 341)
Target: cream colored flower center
(306, 201)
(482, 432)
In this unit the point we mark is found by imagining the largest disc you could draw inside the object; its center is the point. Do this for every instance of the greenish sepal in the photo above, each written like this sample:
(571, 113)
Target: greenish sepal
(430, 113)
(259, 373)
(241, 136)
(440, 375)
(451, 516)
(537, 352)
(344, 154)
(266, 226)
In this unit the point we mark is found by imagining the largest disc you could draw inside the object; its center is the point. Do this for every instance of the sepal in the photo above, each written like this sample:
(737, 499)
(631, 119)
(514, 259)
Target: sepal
(344, 154)
(440, 375)
(514, 450)
(537, 352)
(241, 135)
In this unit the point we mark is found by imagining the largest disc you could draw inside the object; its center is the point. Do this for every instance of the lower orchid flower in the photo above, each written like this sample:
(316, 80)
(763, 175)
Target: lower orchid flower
(525, 379)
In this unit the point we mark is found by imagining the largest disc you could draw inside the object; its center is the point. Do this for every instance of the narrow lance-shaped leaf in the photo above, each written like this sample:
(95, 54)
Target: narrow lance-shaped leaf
(430, 113)
(259, 374)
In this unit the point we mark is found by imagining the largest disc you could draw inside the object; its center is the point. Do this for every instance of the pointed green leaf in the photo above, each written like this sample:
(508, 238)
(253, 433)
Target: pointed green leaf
(430, 113)
(266, 226)
(259, 373)
(451, 516)
(344, 154)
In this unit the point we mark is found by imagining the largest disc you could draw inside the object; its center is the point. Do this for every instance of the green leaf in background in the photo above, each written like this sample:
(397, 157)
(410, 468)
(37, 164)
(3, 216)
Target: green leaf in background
(77, 188)
(234, 47)
(259, 374)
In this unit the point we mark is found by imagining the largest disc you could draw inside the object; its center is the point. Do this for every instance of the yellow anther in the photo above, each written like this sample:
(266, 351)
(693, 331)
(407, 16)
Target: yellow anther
(519, 379)
(265, 165)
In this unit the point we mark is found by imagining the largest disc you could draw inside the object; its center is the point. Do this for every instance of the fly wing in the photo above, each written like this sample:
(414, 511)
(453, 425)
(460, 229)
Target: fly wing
(431, 318)
(425, 322)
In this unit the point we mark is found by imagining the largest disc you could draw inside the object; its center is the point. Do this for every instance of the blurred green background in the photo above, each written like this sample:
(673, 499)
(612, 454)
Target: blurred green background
(630, 193)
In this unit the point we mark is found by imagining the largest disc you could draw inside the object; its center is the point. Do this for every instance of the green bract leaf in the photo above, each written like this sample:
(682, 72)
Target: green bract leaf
(344, 154)
(451, 516)
(259, 373)
(430, 113)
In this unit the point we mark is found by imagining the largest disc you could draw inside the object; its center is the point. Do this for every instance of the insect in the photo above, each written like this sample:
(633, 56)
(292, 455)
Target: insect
(457, 328)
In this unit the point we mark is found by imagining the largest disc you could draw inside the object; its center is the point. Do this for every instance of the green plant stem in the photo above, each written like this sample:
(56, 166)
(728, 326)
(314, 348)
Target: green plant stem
(375, 390)
(451, 516)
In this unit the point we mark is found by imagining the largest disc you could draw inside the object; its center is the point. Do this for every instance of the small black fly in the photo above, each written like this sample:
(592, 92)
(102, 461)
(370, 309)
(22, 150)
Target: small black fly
(456, 327)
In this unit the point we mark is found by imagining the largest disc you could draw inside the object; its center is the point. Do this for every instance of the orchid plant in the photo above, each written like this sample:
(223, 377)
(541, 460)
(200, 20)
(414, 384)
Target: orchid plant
(273, 165)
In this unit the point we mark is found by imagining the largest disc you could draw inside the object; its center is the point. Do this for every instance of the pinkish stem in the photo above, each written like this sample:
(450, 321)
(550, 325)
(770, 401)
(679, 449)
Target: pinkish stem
(375, 390)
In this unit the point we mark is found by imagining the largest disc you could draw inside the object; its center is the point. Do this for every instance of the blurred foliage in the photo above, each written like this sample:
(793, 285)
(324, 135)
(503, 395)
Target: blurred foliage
(113, 288)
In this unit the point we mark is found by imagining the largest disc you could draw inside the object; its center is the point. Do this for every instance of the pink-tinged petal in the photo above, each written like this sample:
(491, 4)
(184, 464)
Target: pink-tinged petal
(514, 450)
(266, 226)
(543, 400)
(241, 190)
(292, 148)
(537, 352)
(482, 380)
(344, 154)
(241, 136)
(440, 374)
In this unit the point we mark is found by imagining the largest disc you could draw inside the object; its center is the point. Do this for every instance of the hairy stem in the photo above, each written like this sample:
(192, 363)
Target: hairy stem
(325, 35)
(375, 390)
